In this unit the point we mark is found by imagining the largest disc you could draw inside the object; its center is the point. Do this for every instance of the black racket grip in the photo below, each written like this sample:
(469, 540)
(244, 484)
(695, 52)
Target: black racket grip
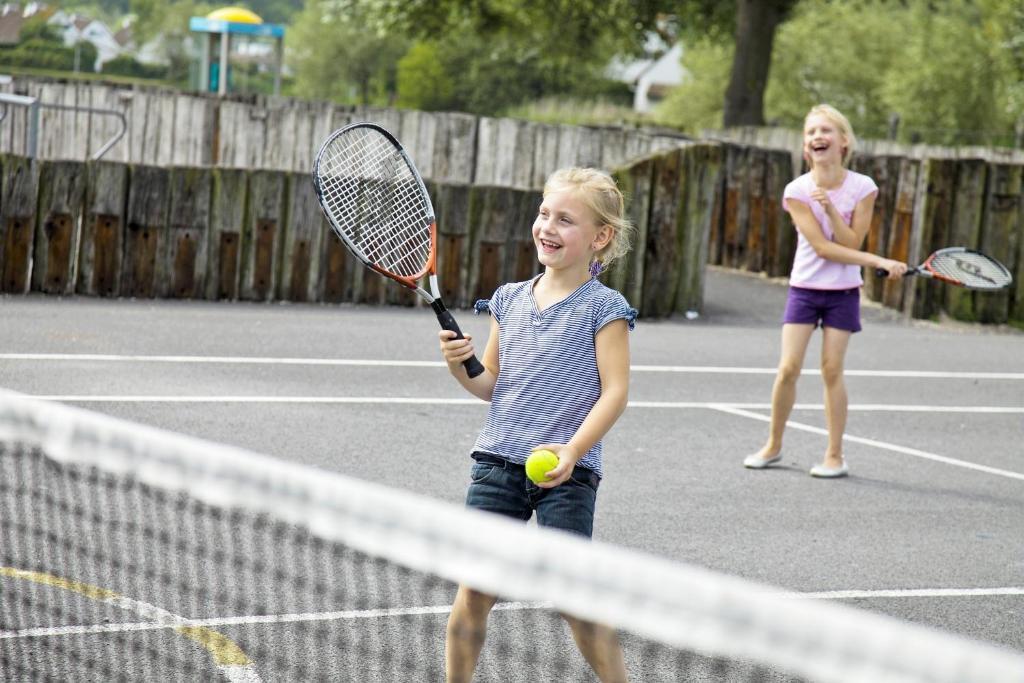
(882, 272)
(447, 320)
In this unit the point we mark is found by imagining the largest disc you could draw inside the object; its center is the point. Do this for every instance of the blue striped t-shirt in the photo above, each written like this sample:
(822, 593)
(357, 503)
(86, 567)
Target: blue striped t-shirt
(548, 379)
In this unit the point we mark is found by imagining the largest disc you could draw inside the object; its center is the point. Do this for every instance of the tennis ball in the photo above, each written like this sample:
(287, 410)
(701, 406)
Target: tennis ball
(539, 463)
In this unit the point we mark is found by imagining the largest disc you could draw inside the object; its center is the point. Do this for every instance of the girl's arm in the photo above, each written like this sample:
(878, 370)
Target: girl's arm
(808, 226)
(455, 351)
(612, 348)
(851, 235)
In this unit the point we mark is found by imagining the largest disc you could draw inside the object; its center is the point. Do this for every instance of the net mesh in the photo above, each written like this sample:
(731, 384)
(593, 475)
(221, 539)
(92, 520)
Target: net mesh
(375, 200)
(131, 554)
(970, 268)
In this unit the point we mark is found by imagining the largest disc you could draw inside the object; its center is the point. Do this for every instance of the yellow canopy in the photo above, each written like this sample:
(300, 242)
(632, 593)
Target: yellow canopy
(236, 15)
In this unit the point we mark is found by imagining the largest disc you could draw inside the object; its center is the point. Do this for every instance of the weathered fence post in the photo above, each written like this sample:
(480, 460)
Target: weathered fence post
(61, 198)
(627, 275)
(968, 207)
(261, 239)
(227, 221)
(148, 197)
(100, 254)
(1000, 234)
(303, 236)
(18, 202)
(181, 265)
(932, 215)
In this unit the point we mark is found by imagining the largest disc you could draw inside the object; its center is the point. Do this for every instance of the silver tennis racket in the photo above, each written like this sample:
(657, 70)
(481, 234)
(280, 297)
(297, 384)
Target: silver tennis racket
(962, 267)
(375, 200)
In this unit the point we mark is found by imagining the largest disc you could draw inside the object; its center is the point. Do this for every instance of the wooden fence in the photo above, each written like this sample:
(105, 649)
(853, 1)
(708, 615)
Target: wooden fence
(114, 229)
(170, 128)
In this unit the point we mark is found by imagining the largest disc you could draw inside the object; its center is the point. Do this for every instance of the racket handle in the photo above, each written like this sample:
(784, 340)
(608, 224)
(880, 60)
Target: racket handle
(447, 320)
(882, 272)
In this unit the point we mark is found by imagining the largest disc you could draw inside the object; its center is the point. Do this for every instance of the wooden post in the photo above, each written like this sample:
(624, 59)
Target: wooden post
(900, 230)
(884, 170)
(18, 205)
(662, 248)
(703, 170)
(304, 234)
(737, 209)
(148, 197)
(61, 199)
(1000, 235)
(100, 253)
(181, 265)
(780, 233)
(454, 234)
(968, 208)
(261, 239)
(754, 257)
(489, 212)
(227, 221)
(627, 275)
(933, 214)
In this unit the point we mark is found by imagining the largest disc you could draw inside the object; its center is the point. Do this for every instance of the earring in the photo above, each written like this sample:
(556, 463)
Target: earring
(595, 268)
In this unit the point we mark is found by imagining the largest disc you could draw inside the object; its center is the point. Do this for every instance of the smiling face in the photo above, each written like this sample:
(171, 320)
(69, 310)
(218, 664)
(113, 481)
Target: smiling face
(566, 232)
(824, 142)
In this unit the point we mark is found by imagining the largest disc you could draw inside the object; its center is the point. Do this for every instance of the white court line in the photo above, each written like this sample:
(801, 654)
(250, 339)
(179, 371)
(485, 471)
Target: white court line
(348, 615)
(353, 362)
(725, 408)
(406, 400)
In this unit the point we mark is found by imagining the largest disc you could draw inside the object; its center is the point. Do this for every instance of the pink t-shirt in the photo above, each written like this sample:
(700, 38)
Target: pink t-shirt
(809, 269)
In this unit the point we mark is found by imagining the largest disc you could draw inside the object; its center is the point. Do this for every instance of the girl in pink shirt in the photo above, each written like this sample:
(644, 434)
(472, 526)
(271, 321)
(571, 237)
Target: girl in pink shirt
(831, 207)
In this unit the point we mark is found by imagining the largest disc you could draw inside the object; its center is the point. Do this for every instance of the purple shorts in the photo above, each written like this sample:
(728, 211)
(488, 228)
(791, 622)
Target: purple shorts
(838, 308)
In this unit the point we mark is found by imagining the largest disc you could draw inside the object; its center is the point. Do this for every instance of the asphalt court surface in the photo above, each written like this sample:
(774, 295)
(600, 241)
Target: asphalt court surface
(929, 527)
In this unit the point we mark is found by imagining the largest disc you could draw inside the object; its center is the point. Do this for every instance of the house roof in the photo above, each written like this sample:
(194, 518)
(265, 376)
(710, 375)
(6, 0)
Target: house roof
(10, 27)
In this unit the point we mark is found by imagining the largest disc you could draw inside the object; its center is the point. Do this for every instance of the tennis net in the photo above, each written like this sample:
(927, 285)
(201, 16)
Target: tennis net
(128, 553)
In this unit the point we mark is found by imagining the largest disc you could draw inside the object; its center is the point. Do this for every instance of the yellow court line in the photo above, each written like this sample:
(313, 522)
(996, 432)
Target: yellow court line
(224, 651)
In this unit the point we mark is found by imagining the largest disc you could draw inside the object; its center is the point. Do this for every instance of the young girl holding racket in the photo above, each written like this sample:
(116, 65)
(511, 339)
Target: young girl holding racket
(831, 207)
(557, 377)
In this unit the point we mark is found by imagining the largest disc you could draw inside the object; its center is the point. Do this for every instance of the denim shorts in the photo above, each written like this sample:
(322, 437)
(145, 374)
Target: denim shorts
(501, 486)
(838, 308)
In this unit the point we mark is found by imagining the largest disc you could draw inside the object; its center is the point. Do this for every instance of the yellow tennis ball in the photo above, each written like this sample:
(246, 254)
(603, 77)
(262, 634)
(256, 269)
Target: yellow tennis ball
(539, 463)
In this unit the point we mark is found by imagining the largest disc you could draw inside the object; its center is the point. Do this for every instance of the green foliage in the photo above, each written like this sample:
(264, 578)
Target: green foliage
(848, 72)
(957, 77)
(950, 69)
(337, 56)
(273, 11)
(698, 102)
(40, 53)
(126, 65)
(422, 80)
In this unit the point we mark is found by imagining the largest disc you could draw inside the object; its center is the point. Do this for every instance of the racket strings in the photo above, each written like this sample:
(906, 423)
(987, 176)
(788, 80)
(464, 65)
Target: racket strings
(376, 201)
(972, 269)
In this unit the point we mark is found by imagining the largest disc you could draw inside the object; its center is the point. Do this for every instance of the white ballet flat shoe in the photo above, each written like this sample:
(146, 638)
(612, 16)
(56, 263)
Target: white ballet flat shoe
(823, 472)
(755, 462)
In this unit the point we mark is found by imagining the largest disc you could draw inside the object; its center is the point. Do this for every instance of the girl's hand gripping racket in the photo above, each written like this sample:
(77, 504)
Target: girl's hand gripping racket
(376, 202)
(962, 267)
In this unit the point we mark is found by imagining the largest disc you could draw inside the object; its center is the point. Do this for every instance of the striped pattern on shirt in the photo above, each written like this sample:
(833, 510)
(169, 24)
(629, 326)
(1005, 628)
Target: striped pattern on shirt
(548, 379)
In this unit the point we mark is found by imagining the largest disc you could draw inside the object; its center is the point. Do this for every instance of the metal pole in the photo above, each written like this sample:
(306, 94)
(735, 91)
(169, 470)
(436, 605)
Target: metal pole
(33, 129)
(225, 46)
(278, 59)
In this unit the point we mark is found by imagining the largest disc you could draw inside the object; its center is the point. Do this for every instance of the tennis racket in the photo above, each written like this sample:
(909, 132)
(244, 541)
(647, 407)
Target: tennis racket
(375, 200)
(962, 267)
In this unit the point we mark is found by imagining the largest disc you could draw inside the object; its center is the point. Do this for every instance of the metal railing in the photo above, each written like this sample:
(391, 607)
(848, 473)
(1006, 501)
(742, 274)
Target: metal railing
(33, 106)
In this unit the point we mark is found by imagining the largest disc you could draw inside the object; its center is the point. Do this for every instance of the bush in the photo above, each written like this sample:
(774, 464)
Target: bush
(126, 65)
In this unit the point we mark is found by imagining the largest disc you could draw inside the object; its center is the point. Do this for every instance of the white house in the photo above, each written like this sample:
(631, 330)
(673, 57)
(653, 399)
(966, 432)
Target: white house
(653, 76)
(76, 28)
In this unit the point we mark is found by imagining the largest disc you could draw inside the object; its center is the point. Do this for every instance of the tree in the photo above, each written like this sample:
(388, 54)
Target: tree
(756, 21)
(338, 55)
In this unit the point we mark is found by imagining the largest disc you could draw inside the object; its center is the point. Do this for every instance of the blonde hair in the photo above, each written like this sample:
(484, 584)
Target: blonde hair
(598, 191)
(842, 123)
